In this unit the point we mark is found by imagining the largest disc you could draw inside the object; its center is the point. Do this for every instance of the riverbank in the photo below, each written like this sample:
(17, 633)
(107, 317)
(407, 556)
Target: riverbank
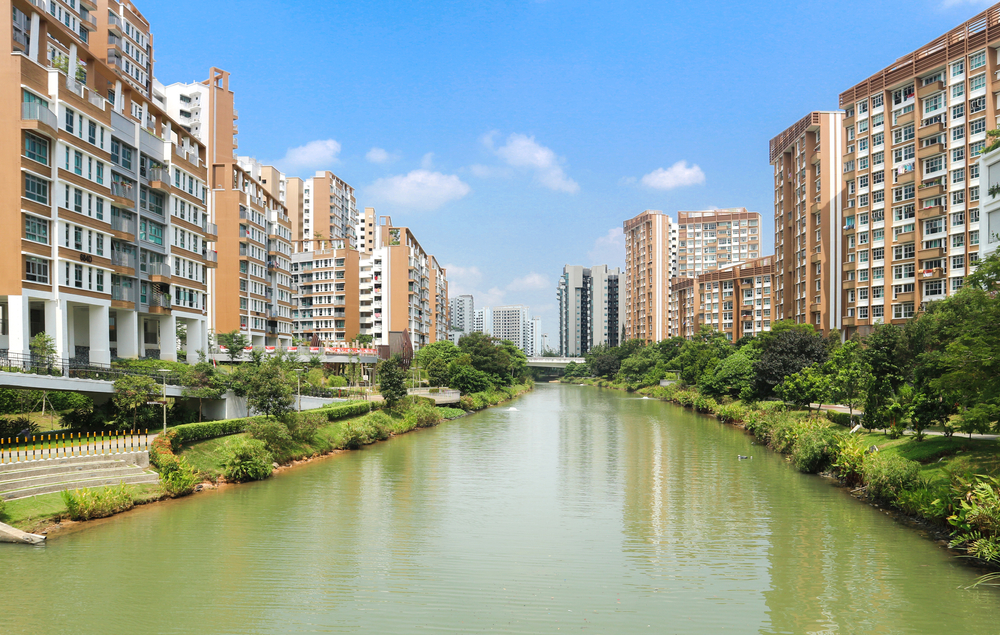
(945, 486)
(48, 514)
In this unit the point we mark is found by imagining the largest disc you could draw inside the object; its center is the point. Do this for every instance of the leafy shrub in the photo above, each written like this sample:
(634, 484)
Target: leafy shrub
(466, 402)
(841, 418)
(731, 413)
(887, 475)
(336, 381)
(368, 429)
(349, 409)
(849, 461)
(424, 415)
(977, 516)
(192, 432)
(162, 449)
(450, 413)
(770, 407)
(925, 501)
(177, 476)
(84, 504)
(273, 433)
(245, 459)
(782, 433)
(304, 426)
(815, 449)
(3, 509)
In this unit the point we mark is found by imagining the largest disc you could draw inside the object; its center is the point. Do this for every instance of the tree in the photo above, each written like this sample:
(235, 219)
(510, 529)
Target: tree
(848, 376)
(364, 340)
(805, 387)
(886, 355)
(268, 390)
(437, 372)
(132, 392)
(929, 408)
(392, 381)
(202, 383)
(234, 341)
(605, 365)
(43, 348)
(785, 353)
(733, 376)
(487, 356)
(467, 379)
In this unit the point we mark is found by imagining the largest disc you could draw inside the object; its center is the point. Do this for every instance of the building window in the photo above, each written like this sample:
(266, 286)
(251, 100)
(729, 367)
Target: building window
(977, 60)
(36, 148)
(36, 229)
(36, 270)
(976, 82)
(36, 189)
(977, 126)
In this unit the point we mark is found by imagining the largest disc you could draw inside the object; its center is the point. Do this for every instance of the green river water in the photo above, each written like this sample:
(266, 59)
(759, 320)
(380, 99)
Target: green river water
(579, 510)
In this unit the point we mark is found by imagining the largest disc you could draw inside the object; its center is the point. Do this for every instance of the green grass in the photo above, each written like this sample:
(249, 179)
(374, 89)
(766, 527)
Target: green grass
(450, 413)
(939, 455)
(37, 512)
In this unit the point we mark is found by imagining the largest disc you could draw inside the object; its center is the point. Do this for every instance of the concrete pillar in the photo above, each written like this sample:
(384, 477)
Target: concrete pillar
(196, 340)
(71, 73)
(100, 344)
(119, 98)
(70, 313)
(168, 338)
(34, 36)
(127, 325)
(18, 324)
(56, 325)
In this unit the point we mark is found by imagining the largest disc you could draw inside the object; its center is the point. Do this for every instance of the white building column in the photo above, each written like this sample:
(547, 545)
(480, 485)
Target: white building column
(119, 98)
(71, 67)
(100, 342)
(56, 325)
(18, 324)
(34, 36)
(196, 340)
(127, 327)
(168, 338)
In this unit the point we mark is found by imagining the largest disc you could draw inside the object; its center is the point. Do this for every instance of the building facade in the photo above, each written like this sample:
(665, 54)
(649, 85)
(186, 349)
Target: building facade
(713, 239)
(589, 308)
(808, 220)
(912, 135)
(650, 264)
(461, 317)
(736, 300)
(111, 254)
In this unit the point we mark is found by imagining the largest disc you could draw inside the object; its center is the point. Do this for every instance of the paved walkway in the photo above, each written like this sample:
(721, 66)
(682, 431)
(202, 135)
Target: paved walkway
(934, 433)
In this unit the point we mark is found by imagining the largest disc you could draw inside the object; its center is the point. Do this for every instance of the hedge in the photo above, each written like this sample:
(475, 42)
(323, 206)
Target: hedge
(349, 409)
(841, 418)
(191, 432)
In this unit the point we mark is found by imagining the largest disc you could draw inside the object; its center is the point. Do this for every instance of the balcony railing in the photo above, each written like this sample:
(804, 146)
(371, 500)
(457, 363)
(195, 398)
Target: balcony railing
(212, 256)
(122, 190)
(159, 174)
(160, 300)
(126, 225)
(160, 269)
(37, 112)
(114, 22)
(211, 229)
(124, 294)
(123, 258)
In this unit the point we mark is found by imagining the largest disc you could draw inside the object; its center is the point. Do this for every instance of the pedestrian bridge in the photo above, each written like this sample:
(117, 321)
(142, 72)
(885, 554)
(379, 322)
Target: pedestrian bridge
(553, 362)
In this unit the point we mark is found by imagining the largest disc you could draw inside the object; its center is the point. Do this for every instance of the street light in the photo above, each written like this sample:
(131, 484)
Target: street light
(298, 385)
(164, 371)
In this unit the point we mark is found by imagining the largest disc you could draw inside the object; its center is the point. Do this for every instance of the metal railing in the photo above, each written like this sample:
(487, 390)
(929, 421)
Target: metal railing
(211, 229)
(33, 111)
(159, 299)
(121, 189)
(160, 269)
(25, 447)
(126, 225)
(123, 258)
(37, 365)
(122, 294)
(158, 174)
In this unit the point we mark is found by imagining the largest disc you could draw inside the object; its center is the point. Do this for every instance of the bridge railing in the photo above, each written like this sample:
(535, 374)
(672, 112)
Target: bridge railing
(38, 365)
(38, 447)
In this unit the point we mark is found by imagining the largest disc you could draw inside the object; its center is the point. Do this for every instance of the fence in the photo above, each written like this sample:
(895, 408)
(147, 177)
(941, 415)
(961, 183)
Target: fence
(65, 445)
(37, 365)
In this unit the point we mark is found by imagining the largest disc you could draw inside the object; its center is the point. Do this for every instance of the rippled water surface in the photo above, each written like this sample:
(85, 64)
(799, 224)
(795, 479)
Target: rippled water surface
(582, 510)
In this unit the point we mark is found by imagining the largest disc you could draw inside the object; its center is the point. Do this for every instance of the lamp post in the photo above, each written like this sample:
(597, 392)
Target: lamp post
(298, 386)
(164, 371)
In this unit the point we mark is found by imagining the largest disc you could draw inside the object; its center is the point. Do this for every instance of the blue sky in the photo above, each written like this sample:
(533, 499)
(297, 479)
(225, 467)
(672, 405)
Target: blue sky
(515, 137)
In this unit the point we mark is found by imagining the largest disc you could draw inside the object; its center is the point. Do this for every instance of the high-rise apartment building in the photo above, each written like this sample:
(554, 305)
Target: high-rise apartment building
(461, 317)
(736, 300)
(589, 308)
(329, 211)
(483, 322)
(912, 134)
(105, 189)
(712, 239)
(650, 263)
(808, 220)
(511, 323)
(252, 286)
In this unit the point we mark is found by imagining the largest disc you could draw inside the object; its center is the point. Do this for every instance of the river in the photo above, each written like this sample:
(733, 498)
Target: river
(571, 509)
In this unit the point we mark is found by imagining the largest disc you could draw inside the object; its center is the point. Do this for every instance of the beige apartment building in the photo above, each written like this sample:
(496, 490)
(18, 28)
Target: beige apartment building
(712, 239)
(912, 134)
(390, 286)
(252, 286)
(808, 184)
(650, 245)
(110, 255)
(736, 300)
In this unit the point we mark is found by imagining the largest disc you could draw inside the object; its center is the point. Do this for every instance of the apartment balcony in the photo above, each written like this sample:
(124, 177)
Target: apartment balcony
(903, 297)
(36, 115)
(212, 257)
(122, 297)
(931, 190)
(88, 21)
(850, 266)
(931, 211)
(159, 303)
(211, 231)
(89, 5)
(159, 272)
(816, 257)
(847, 321)
(932, 274)
(122, 193)
(123, 262)
(933, 252)
(115, 60)
(814, 158)
(929, 89)
(123, 228)
(930, 150)
(115, 25)
(932, 129)
(904, 237)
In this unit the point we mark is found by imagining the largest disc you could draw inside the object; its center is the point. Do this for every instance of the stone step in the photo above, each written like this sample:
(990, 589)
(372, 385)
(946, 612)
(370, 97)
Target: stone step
(70, 463)
(138, 479)
(113, 471)
(57, 466)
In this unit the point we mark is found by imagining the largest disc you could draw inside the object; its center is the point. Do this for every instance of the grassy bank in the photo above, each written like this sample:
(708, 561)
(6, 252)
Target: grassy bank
(951, 483)
(220, 450)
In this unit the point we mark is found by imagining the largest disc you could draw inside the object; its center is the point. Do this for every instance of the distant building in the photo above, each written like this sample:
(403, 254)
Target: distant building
(462, 312)
(589, 308)
(650, 263)
(510, 323)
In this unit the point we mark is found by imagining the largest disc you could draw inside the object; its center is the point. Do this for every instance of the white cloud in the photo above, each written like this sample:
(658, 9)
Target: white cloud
(531, 282)
(677, 175)
(522, 151)
(420, 189)
(608, 249)
(315, 155)
(427, 161)
(489, 171)
(380, 156)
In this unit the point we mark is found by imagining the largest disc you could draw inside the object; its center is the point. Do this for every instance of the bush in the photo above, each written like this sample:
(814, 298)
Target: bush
(849, 461)
(192, 432)
(841, 418)
(84, 504)
(245, 459)
(274, 434)
(349, 409)
(815, 449)
(731, 413)
(304, 426)
(424, 415)
(888, 475)
(782, 432)
(177, 477)
(465, 401)
(161, 450)
(925, 501)
(368, 429)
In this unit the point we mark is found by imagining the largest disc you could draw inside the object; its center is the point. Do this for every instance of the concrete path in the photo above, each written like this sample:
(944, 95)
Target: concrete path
(908, 432)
